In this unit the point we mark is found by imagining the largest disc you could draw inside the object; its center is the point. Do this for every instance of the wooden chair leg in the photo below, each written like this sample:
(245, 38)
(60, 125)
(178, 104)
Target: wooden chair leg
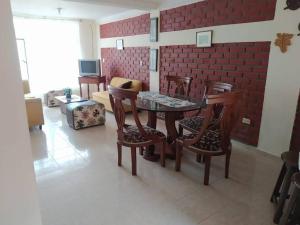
(141, 150)
(227, 163)
(292, 203)
(163, 154)
(278, 184)
(284, 194)
(133, 161)
(178, 156)
(199, 158)
(207, 170)
(119, 154)
(180, 130)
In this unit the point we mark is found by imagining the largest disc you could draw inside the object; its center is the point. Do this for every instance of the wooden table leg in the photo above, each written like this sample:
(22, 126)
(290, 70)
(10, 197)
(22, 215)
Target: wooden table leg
(149, 153)
(170, 121)
(152, 119)
(80, 89)
(88, 90)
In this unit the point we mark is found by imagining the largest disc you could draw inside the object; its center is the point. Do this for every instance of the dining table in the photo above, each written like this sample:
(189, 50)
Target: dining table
(174, 107)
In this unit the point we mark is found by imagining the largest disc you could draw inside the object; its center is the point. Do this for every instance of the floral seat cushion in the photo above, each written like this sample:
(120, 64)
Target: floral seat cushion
(193, 124)
(133, 135)
(210, 141)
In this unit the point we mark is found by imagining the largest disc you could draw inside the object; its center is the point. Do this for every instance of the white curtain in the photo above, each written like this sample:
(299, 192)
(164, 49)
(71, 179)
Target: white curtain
(53, 49)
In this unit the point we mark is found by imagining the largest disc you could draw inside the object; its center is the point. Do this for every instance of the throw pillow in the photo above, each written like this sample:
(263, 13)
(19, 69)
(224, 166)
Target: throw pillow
(126, 85)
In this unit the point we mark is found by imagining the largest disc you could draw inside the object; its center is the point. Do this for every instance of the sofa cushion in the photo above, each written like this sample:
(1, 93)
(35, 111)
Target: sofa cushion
(118, 81)
(103, 97)
(102, 94)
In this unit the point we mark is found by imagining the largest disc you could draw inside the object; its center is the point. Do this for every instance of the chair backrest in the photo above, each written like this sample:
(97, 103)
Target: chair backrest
(224, 121)
(182, 85)
(116, 97)
(213, 87)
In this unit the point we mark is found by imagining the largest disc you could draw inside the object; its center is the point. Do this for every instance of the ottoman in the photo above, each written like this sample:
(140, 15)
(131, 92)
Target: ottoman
(49, 98)
(85, 114)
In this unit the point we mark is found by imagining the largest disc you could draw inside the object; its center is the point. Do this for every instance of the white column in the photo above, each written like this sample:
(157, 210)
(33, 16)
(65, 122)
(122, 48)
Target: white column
(154, 76)
(18, 193)
(282, 88)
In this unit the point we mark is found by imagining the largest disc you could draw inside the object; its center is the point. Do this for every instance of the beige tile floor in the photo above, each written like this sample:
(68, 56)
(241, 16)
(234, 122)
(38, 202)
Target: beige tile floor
(79, 182)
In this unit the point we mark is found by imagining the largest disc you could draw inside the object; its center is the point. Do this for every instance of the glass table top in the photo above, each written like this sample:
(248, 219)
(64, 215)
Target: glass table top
(150, 104)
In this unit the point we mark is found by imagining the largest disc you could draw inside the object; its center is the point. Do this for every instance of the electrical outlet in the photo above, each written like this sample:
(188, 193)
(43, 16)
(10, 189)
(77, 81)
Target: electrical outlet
(141, 63)
(103, 60)
(246, 121)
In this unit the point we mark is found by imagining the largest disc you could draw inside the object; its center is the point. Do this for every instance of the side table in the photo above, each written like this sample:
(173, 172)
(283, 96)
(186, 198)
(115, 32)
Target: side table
(92, 80)
(63, 101)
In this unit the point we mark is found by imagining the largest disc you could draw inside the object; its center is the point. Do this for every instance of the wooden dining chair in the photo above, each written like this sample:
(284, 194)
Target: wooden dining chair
(182, 85)
(214, 136)
(292, 212)
(177, 86)
(133, 136)
(194, 123)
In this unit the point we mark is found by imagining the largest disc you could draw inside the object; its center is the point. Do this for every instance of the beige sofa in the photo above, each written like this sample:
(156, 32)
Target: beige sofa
(103, 96)
(34, 107)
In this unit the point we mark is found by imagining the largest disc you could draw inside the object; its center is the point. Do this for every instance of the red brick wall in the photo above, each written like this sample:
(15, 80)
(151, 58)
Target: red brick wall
(132, 26)
(216, 12)
(126, 63)
(295, 142)
(242, 64)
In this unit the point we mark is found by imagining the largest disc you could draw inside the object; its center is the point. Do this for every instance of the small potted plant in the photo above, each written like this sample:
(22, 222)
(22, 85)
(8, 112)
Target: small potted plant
(68, 93)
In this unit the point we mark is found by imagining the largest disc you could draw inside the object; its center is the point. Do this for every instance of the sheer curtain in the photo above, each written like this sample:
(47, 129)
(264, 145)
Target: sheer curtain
(53, 49)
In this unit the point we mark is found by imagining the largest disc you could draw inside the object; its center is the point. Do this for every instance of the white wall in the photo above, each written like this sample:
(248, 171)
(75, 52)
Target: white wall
(283, 80)
(89, 35)
(18, 194)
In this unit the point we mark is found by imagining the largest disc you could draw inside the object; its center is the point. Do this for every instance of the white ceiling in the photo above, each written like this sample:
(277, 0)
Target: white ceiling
(88, 9)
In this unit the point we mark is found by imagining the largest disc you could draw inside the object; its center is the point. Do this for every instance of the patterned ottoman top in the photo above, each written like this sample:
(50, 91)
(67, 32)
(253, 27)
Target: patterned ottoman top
(85, 114)
(75, 105)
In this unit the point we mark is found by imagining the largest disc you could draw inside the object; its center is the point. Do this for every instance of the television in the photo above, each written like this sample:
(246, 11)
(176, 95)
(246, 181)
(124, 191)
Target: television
(89, 67)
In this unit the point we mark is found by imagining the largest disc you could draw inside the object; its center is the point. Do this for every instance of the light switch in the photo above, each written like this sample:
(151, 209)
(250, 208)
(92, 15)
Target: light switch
(246, 121)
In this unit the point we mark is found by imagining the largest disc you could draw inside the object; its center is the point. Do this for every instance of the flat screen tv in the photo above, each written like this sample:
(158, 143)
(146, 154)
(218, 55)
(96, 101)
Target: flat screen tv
(89, 67)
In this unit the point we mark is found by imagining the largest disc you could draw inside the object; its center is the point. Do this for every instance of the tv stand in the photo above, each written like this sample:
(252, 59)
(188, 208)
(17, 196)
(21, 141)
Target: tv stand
(91, 80)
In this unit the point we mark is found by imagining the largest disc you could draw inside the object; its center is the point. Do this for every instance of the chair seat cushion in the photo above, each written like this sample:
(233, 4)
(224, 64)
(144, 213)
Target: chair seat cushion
(193, 124)
(210, 141)
(133, 135)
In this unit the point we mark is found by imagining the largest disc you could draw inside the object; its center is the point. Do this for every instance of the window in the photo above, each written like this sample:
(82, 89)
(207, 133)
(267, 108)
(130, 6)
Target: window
(52, 49)
(23, 58)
